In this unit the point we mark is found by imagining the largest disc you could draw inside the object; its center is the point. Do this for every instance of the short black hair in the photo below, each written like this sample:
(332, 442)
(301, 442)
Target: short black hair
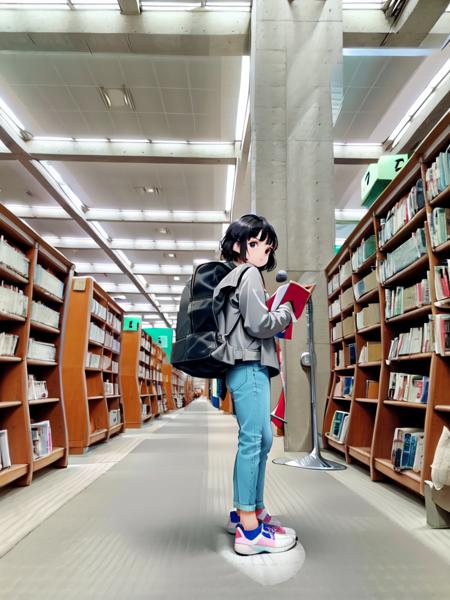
(245, 228)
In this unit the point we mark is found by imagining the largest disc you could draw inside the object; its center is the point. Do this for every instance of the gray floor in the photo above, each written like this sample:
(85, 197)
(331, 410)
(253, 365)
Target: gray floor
(152, 527)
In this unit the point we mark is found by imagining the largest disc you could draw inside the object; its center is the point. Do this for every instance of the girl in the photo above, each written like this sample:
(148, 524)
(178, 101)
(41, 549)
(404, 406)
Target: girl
(248, 329)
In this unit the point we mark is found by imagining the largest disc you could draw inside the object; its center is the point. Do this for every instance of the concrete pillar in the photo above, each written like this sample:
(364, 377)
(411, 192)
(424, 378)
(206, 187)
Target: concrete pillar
(295, 47)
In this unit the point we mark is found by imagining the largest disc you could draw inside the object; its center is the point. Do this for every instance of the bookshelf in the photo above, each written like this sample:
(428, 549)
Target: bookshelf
(173, 384)
(137, 376)
(394, 262)
(34, 279)
(91, 365)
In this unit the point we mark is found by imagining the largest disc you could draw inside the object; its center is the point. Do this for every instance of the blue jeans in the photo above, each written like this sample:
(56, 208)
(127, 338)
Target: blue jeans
(249, 385)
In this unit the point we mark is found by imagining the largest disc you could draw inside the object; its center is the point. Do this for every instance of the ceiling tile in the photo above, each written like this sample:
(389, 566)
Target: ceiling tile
(138, 71)
(126, 125)
(100, 123)
(147, 100)
(87, 98)
(204, 73)
(182, 126)
(177, 101)
(72, 69)
(353, 98)
(107, 71)
(206, 101)
(153, 126)
(171, 73)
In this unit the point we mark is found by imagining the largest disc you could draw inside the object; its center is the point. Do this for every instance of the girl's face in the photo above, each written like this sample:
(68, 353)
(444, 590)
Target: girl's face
(258, 251)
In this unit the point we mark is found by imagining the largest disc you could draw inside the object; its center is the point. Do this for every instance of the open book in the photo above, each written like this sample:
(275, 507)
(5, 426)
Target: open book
(294, 293)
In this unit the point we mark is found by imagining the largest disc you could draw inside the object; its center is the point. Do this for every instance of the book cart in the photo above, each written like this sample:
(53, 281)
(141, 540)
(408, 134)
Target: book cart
(136, 375)
(91, 365)
(34, 279)
(356, 282)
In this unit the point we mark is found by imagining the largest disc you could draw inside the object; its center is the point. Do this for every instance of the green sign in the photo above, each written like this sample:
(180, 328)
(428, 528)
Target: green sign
(132, 323)
(379, 175)
(163, 336)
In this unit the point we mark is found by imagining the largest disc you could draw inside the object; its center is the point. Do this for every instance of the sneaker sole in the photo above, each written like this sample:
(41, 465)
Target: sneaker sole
(246, 550)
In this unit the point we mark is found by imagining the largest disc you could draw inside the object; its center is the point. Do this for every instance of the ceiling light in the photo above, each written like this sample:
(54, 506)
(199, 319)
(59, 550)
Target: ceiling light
(170, 254)
(117, 98)
(363, 4)
(92, 140)
(420, 103)
(119, 297)
(25, 4)
(170, 141)
(133, 244)
(10, 116)
(51, 138)
(170, 6)
(163, 230)
(244, 96)
(176, 278)
(151, 190)
(229, 193)
(129, 141)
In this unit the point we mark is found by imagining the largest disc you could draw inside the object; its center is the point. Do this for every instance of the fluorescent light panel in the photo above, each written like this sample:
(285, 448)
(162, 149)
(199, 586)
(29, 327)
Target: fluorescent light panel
(420, 103)
(131, 244)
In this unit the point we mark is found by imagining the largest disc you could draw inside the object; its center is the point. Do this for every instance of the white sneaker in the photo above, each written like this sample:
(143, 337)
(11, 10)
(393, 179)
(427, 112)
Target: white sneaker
(267, 540)
(264, 517)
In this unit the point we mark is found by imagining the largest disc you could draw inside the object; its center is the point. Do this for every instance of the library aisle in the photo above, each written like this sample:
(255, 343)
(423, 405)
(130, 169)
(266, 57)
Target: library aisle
(151, 525)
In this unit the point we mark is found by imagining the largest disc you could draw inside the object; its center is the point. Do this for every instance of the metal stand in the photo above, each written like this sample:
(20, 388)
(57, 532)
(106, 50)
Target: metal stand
(313, 460)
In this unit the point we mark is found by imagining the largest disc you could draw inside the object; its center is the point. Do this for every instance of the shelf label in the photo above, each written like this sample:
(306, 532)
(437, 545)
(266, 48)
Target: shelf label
(131, 323)
(379, 175)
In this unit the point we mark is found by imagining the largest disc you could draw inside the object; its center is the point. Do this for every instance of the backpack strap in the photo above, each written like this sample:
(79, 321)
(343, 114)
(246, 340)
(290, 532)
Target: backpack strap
(222, 293)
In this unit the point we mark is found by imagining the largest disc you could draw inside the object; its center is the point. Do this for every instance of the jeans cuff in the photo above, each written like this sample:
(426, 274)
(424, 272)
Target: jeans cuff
(245, 507)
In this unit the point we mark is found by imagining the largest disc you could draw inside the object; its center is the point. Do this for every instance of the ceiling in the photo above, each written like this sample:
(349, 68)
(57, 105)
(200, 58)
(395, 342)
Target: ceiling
(174, 97)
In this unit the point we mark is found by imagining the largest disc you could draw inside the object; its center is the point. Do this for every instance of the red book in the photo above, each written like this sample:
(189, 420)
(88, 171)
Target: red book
(294, 293)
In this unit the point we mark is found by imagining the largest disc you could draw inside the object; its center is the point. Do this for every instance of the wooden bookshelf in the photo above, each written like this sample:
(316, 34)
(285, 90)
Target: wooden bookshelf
(89, 404)
(140, 402)
(173, 385)
(18, 411)
(373, 421)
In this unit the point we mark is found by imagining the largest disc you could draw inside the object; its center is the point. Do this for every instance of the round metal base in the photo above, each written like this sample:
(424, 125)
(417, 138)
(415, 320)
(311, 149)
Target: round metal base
(310, 461)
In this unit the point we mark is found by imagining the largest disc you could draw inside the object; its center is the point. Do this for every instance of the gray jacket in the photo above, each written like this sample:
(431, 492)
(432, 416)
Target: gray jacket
(246, 324)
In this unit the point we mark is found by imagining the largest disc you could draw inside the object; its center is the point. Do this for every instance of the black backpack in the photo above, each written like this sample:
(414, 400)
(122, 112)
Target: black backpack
(197, 334)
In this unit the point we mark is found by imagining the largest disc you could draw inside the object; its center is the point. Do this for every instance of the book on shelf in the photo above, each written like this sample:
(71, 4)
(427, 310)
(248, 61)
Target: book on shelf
(350, 353)
(13, 300)
(404, 256)
(5, 458)
(442, 334)
(347, 298)
(408, 387)
(98, 309)
(93, 361)
(348, 325)
(8, 344)
(370, 352)
(415, 341)
(334, 309)
(37, 390)
(369, 315)
(96, 334)
(41, 350)
(114, 417)
(333, 284)
(345, 272)
(366, 284)
(365, 250)
(405, 448)
(40, 313)
(402, 212)
(49, 282)
(13, 259)
(339, 426)
(403, 299)
(442, 280)
(339, 359)
(336, 331)
(439, 226)
(437, 176)
(41, 436)
(344, 386)
(372, 389)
